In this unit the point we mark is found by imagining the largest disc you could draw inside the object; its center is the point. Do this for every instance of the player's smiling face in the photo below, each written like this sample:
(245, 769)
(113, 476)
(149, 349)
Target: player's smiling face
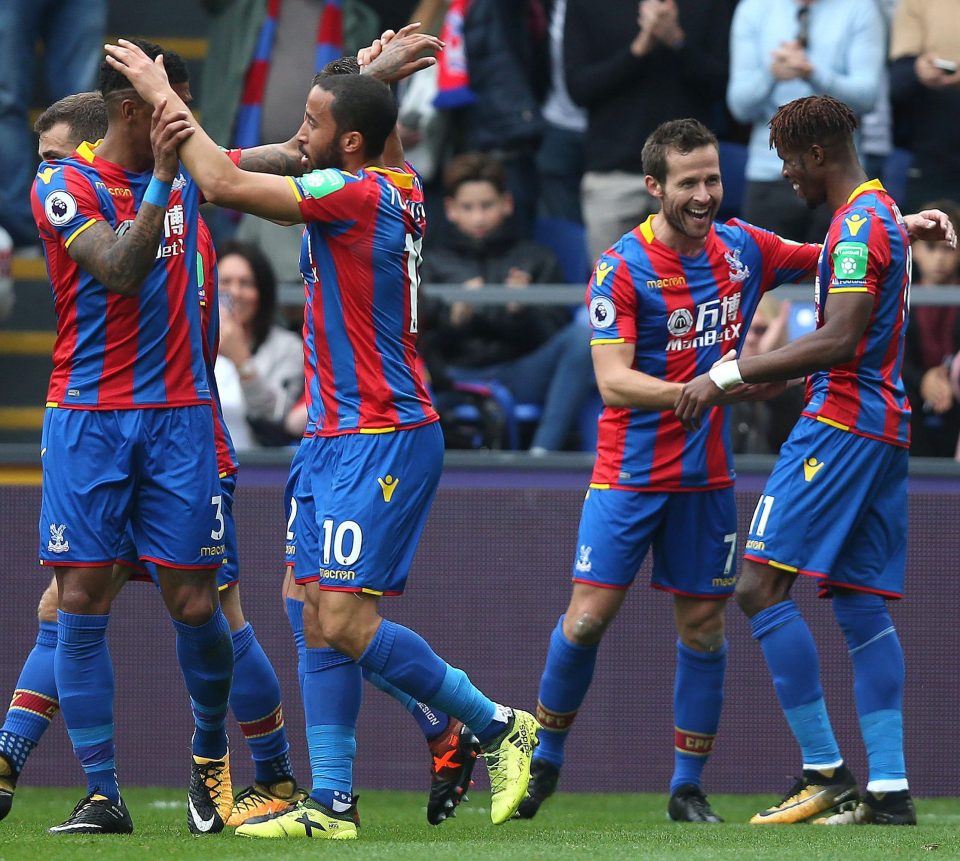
(318, 140)
(692, 193)
(796, 170)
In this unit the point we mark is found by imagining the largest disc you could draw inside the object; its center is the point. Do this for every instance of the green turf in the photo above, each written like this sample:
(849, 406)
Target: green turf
(570, 826)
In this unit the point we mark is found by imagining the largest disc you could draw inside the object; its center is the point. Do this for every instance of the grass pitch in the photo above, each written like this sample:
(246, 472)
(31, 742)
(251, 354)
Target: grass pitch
(569, 826)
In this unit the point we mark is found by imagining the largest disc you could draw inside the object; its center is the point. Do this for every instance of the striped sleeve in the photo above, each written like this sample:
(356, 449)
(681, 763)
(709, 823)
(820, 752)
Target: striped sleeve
(859, 253)
(612, 302)
(64, 202)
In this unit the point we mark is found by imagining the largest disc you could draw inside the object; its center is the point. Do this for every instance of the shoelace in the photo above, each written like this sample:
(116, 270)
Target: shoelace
(798, 787)
(210, 774)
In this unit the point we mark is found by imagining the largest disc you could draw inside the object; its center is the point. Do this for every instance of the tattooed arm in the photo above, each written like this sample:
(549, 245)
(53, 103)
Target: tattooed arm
(121, 263)
(282, 159)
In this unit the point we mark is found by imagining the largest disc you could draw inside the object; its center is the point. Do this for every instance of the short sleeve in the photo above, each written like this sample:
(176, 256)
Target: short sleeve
(64, 202)
(859, 253)
(784, 261)
(612, 302)
(329, 195)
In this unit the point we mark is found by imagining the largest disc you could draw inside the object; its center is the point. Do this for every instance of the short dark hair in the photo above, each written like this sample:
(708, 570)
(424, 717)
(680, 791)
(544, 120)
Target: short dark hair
(804, 122)
(84, 113)
(474, 167)
(111, 81)
(361, 104)
(340, 66)
(266, 282)
(683, 136)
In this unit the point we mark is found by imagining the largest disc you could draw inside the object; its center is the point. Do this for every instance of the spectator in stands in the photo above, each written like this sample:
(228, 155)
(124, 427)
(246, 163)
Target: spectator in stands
(535, 351)
(493, 78)
(262, 56)
(761, 427)
(925, 89)
(781, 50)
(632, 72)
(260, 366)
(933, 340)
(72, 32)
(560, 161)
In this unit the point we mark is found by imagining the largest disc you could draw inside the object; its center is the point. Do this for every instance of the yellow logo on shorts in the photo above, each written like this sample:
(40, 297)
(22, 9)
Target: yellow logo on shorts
(811, 468)
(388, 485)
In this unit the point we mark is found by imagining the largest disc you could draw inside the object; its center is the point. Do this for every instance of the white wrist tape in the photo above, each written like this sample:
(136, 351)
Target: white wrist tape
(726, 375)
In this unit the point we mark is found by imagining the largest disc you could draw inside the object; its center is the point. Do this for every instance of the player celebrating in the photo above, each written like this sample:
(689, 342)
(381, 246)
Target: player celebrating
(452, 746)
(665, 302)
(835, 505)
(255, 693)
(374, 448)
(128, 435)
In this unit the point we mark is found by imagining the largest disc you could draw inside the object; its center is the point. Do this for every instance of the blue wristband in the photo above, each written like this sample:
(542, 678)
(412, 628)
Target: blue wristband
(158, 193)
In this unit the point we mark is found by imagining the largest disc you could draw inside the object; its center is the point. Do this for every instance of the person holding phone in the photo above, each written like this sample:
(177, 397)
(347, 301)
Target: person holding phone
(925, 90)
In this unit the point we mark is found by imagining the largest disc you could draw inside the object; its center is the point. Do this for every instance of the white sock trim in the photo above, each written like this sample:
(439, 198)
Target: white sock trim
(891, 785)
(822, 766)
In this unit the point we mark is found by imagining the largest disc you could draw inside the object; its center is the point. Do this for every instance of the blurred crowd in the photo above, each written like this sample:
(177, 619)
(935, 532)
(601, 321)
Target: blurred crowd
(528, 136)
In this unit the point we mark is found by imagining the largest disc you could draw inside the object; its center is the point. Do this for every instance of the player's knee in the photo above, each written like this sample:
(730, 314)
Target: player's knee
(753, 595)
(703, 631)
(587, 629)
(47, 608)
(193, 606)
(339, 633)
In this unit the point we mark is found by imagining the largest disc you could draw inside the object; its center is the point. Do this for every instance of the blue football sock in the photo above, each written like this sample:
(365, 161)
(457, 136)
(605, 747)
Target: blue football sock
(332, 692)
(405, 660)
(566, 679)
(295, 618)
(697, 702)
(878, 677)
(205, 654)
(432, 722)
(791, 655)
(34, 702)
(84, 676)
(255, 701)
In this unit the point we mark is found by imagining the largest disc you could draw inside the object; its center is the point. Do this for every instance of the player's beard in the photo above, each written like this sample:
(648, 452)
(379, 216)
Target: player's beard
(329, 156)
(685, 224)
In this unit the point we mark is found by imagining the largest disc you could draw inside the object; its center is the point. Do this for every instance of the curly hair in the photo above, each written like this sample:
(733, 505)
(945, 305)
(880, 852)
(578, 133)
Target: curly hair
(804, 122)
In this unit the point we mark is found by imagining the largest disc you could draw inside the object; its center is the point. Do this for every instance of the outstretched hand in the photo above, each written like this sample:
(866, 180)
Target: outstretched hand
(148, 77)
(931, 225)
(394, 56)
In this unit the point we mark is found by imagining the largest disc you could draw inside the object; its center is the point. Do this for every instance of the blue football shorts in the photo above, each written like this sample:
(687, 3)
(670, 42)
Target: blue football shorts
(835, 508)
(693, 535)
(228, 574)
(154, 469)
(361, 504)
(289, 500)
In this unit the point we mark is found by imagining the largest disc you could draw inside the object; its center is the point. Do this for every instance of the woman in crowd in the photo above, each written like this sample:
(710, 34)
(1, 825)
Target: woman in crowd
(260, 366)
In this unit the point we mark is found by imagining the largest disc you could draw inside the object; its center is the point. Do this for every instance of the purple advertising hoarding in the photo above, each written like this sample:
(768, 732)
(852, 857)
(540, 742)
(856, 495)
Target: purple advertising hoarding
(489, 581)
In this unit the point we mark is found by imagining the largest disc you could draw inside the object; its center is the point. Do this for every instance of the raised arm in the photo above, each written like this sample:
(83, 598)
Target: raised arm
(220, 180)
(393, 57)
(121, 263)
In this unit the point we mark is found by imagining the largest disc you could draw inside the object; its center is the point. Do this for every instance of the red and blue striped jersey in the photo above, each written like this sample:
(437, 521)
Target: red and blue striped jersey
(227, 462)
(682, 314)
(113, 351)
(867, 251)
(360, 264)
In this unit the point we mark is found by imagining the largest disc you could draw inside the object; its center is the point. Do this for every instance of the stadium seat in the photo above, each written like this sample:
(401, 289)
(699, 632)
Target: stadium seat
(568, 241)
(733, 165)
